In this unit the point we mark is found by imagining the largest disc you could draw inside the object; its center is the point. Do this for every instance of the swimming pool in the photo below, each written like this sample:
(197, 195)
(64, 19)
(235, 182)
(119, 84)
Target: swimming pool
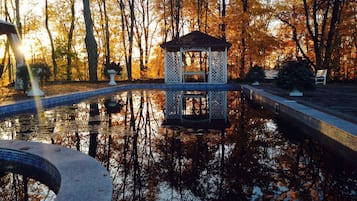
(190, 145)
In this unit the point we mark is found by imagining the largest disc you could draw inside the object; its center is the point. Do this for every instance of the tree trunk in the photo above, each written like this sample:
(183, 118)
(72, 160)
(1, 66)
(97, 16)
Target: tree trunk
(53, 56)
(165, 23)
(129, 29)
(142, 35)
(131, 39)
(69, 42)
(18, 20)
(178, 7)
(91, 44)
(323, 29)
(172, 17)
(243, 39)
(141, 50)
(107, 34)
(93, 129)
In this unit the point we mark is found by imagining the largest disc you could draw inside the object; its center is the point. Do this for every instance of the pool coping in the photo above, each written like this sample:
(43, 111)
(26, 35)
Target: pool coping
(63, 99)
(74, 175)
(332, 127)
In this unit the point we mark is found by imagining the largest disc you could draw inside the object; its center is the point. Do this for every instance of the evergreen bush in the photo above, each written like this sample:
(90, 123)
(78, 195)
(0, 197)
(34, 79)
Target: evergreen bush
(255, 74)
(42, 70)
(296, 74)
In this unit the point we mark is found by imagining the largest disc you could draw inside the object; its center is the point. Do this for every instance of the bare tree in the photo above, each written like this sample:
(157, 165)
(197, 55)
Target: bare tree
(322, 20)
(128, 27)
(105, 29)
(175, 10)
(144, 32)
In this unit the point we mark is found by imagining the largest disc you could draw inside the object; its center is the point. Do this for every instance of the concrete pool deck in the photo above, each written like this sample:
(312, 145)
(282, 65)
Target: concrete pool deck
(72, 175)
(336, 128)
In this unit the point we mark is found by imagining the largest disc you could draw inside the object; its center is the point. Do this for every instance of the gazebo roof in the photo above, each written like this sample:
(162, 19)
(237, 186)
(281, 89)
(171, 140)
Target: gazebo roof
(6, 28)
(196, 39)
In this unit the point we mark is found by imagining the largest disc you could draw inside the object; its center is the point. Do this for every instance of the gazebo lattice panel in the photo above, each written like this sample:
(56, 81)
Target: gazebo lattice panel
(218, 70)
(173, 105)
(218, 104)
(172, 67)
(195, 49)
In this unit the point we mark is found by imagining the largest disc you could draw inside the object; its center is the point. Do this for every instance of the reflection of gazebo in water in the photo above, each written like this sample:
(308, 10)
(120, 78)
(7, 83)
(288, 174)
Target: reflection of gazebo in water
(196, 109)
(196, 57)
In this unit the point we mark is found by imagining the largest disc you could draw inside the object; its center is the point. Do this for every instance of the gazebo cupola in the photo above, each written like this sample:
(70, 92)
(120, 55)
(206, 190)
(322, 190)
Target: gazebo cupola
(196, 57)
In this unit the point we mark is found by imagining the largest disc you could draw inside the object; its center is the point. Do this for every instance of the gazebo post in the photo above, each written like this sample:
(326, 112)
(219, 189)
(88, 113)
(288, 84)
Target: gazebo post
(209, 65)
(165, 65)
(180, 66)
(225, 64)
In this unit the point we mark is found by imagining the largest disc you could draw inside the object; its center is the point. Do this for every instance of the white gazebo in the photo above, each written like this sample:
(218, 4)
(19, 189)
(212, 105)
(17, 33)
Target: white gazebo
(196, 57)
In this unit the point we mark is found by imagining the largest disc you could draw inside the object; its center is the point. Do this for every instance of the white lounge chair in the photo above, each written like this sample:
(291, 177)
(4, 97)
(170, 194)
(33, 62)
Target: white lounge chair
(320, 77)
(271, 74)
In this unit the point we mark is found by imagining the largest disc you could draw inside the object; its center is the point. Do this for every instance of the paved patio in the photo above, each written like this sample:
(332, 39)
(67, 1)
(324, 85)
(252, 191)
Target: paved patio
(336, 99)
(333, 131)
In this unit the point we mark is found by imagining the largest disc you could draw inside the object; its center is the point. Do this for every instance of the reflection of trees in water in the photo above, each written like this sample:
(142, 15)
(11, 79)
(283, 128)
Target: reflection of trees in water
(136, 158)
(15, 187)
(311, 172)
(94, 122)
(250, 159)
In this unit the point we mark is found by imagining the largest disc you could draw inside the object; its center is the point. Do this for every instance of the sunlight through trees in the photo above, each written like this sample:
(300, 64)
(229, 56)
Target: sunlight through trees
(77, 38)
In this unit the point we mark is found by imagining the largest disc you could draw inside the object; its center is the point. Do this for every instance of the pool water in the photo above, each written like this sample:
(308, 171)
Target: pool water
(15, 187)
(190, 145)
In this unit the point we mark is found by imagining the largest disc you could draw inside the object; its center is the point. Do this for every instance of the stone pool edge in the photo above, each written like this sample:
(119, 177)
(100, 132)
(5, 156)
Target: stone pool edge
(82, 178)
(50, 101)
(332, 127)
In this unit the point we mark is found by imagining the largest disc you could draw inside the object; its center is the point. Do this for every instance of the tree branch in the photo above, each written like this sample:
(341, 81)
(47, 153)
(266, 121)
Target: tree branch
(295, 38)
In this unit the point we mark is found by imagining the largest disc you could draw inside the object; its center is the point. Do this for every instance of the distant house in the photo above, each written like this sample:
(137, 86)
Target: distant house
(196, 57)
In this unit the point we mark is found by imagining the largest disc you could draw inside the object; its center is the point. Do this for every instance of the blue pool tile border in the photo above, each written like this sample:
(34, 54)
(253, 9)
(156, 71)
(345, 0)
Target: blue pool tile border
(20, 161)
(70, 98)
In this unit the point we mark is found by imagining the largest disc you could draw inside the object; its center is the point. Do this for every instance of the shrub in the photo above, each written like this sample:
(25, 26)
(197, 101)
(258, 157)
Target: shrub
(112, 66)
(255, 74)
(296, 74)
(41, 69)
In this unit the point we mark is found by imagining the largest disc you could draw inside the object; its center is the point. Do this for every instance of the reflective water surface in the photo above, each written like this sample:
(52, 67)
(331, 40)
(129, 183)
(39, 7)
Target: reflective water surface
(174, 145)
